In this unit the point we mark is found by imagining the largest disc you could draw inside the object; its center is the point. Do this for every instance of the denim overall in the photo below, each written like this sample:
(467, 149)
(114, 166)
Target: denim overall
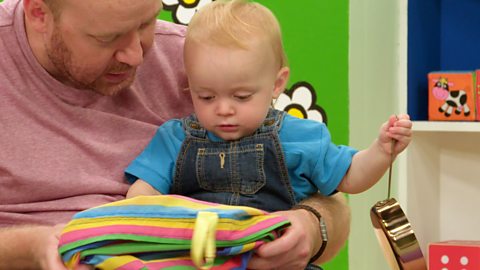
(248, 172)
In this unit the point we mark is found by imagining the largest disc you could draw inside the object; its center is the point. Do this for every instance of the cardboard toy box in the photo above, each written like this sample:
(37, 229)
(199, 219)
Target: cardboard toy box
(451, 96)
(454, 255)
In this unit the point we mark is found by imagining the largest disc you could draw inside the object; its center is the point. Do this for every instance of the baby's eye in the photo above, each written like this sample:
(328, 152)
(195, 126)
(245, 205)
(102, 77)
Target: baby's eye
(206, 97)
(243, 97)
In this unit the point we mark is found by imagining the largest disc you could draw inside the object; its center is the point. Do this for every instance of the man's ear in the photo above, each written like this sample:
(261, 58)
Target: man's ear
(37, 15)
(281, 81)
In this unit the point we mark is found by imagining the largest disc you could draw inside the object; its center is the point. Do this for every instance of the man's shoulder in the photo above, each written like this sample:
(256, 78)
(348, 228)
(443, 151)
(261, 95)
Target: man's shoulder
(170, 29)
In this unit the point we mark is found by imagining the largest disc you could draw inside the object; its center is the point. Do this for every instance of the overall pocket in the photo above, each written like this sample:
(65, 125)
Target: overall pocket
(237, 169)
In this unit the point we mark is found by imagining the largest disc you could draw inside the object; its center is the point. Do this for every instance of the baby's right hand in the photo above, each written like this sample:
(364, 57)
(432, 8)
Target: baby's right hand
(398, 128)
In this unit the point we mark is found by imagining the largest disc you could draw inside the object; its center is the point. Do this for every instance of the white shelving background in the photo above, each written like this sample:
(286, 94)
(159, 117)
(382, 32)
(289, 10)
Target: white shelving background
(437, 126)
(437, 179)
(439, 185)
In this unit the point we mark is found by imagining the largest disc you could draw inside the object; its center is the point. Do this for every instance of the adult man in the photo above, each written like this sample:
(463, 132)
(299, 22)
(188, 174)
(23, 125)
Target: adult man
(84, 85)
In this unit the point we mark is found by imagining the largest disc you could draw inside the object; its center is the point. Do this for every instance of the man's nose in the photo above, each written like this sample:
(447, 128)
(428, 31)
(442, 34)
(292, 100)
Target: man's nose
(131, 53)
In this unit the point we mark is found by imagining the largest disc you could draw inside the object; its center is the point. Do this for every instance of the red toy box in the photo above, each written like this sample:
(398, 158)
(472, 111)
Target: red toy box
(454, 255)
(451, 96)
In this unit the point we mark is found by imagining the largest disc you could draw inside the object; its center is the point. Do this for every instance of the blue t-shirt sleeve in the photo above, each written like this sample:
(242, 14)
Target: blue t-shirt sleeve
(314, 162)
(155, 165)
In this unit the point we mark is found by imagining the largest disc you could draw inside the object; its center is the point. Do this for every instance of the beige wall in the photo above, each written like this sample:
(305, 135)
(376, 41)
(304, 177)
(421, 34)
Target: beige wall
(376, 77)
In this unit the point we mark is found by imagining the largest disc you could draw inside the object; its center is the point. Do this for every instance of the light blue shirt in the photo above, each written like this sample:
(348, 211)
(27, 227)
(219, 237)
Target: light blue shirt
(314, 163)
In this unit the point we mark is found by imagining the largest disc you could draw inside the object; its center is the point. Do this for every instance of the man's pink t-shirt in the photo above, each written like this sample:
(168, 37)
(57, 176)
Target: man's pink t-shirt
(63, 150)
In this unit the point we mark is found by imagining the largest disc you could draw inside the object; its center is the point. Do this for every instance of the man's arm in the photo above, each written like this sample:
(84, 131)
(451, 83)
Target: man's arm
(336, 214)
(30, 247)
(302, 239)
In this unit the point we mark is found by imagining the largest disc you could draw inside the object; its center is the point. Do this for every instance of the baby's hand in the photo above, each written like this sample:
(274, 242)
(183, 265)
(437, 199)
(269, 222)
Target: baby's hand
(398, 128)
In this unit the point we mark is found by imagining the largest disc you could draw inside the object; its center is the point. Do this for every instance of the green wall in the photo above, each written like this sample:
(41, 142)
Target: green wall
(316, 40)
(316, 37)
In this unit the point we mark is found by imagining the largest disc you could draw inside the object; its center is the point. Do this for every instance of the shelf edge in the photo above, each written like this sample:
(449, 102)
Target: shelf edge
(438, 126)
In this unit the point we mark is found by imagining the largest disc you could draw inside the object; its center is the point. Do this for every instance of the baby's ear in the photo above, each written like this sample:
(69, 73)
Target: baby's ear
(281, 81)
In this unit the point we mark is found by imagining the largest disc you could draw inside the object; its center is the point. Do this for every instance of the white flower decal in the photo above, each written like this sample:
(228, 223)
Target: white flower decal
(300, 101)
(183, 10)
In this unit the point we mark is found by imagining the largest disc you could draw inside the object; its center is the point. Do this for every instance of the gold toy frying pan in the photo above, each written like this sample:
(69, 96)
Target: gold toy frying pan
(395, 234)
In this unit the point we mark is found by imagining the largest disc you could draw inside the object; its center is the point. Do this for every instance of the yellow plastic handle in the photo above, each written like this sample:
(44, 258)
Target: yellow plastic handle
(203, 248)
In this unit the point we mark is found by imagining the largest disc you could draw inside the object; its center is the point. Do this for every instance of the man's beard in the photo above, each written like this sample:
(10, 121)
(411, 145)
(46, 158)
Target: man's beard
(61, 57)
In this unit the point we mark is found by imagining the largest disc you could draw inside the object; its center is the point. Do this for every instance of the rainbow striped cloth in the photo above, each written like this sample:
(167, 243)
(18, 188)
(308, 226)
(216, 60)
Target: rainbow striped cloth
(155, 232)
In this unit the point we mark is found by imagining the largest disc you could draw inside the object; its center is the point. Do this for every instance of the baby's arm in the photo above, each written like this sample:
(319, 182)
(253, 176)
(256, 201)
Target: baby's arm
(141, 187)
(369, 165)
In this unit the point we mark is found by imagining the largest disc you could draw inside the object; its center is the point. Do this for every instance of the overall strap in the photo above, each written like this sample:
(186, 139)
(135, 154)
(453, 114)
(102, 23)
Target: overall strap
(193, 128)
(272, 122)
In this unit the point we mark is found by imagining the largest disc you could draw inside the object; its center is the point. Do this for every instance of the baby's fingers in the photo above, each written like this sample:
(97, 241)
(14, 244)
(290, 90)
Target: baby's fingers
(403, 116)
(399, 133)
(391, 121)
(404, 123)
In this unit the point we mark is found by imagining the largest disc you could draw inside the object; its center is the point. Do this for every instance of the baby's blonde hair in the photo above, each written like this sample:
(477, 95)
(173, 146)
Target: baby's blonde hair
(233, 23)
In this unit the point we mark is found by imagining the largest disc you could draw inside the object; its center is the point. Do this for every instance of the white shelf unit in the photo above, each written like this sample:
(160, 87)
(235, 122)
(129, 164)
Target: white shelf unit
(439, 187)
(437, 126)
(437, 180)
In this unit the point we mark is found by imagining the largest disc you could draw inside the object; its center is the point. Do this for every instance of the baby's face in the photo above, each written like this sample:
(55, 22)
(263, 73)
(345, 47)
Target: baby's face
(232, 88)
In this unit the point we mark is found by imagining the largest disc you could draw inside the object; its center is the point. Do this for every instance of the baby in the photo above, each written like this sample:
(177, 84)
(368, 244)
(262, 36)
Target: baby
(235, 149)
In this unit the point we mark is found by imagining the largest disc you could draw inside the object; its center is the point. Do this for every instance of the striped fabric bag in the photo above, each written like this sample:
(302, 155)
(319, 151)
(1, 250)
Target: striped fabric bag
(167, 232)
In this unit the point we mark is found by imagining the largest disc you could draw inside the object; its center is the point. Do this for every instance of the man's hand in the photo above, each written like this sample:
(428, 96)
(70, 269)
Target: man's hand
(302, 239)
(48, 257)
(33, 247)
(294, 248)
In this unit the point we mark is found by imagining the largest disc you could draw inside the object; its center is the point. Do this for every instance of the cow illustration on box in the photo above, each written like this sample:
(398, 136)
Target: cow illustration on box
(451, 96)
